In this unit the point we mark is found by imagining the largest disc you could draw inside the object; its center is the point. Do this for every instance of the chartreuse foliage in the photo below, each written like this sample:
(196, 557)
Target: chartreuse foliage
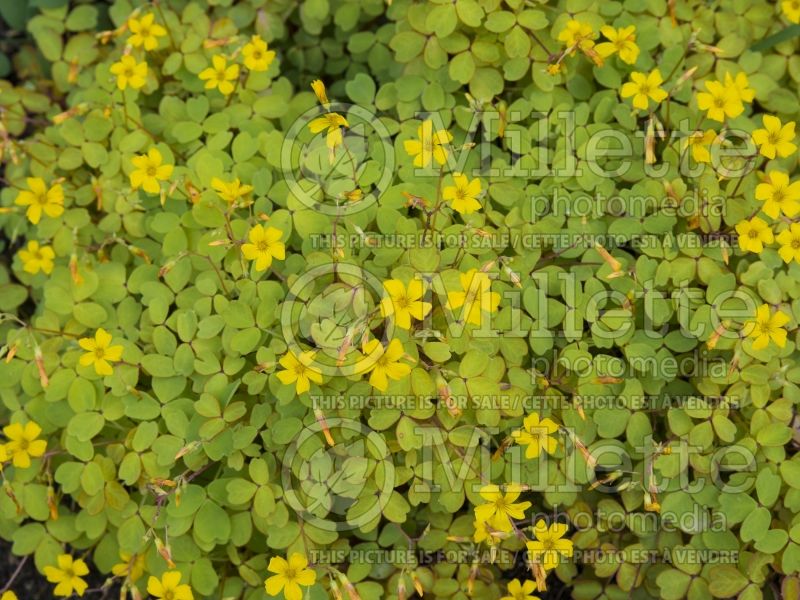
(297, 292)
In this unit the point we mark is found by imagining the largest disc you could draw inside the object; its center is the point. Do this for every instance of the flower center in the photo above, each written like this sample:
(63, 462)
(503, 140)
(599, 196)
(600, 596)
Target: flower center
(262, 246)
(257, 54)
(151, 171)
(128, 73)
(290, 574)
(765, 328)
(752, 234)
(169, 595)
(144, 32)
(99, 353)
(774, 137)
(221, 75)
(796, 243)
(644, 89)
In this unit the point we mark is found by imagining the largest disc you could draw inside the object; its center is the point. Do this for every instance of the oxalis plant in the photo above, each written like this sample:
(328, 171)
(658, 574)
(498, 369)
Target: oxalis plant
(364, 299)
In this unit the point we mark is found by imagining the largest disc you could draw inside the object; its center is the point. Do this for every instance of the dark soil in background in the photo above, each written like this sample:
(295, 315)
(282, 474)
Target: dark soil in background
(32, 585)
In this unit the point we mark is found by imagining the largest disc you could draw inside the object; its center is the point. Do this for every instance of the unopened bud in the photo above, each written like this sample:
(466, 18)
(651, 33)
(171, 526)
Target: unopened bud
(712, 341)
(686, 76)
(44, 380)
(417, 584)
(650, 143)
(11, 353)
(514, 277)
(187, 449)
(612, 262)
(415, 201)
(335, 591)
(165, 552)
(52, 503)
(323, 423)
(473, 575)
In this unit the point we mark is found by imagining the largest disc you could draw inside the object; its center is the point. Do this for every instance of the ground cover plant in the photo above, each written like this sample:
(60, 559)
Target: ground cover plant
(383, 299)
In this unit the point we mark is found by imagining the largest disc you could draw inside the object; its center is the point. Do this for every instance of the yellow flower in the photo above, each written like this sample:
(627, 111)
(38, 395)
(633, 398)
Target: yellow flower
(131, 567)
(740, 86)
(779, 195)
(319, 91)
(149, 171)
(41, 200)
(577, 35)
(463, 196)
(35, 258)
(521, 591)
(548, 548)
(67, 575)
(555, 68)
(486, 533)
(99, 352)
(403, 302)
(145, 32)
(333, 122)
(644, 87)
(385, 363)
(256, 55)
(791, 8)
(789, 239)
(289, 576)
(429, 146)
(500, 507)
(129, 72)
(354, 195)
(775, 138)
(230, 191)
(476, 296)
(720, 101)
(622, 41)
(536, 435)
(264, 245)
(299, 371)
(650, 504)
(765, 327)
(700, 143)
(168, 587)
(4, 458)
(753, 234)
(220, 75)
(23, 443)
(9, 595)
